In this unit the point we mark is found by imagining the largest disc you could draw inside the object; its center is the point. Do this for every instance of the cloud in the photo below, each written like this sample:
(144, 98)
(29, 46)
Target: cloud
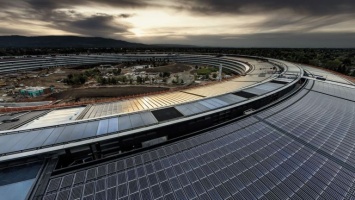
(199, 22)
(63, 16)
(125, 15)
(55, 4)
(97, 25)
(277, 40)
(309, 7)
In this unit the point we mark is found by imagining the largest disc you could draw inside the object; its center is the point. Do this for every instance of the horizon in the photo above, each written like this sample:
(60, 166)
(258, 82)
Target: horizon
(176, 45)
(227, 24)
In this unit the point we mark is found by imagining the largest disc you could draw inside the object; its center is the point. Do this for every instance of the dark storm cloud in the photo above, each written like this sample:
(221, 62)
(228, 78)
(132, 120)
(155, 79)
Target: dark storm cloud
(309, 7)
(300, 24)
(278, 23)
(54, 4)
(304, 14)
(277, 40)
(70, 20)
(97, 25)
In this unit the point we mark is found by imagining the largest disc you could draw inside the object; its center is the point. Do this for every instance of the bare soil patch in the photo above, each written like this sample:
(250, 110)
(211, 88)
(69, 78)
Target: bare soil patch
(46, 81)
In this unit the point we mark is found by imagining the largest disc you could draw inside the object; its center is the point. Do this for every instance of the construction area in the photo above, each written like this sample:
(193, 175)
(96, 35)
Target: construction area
(81, 85)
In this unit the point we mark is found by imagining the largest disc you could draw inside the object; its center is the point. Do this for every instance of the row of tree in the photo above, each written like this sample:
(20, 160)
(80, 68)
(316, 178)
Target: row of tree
(75, 79)
(122, 79)
(81, 78)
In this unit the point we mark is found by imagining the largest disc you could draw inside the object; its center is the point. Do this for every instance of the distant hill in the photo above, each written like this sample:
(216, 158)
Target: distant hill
(63, 41)
(175, 45)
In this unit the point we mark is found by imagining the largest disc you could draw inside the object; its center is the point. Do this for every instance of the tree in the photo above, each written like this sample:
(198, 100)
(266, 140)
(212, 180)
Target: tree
(75, 79)
(102, 81)
(139, 79)
(314, 62)
(347, 61)
(116, 72)
(82, 78)
(70, 76)
(124, 79)
(87, 73)
(113, 81)
(166, 74)
(214, 75)
(332, 64)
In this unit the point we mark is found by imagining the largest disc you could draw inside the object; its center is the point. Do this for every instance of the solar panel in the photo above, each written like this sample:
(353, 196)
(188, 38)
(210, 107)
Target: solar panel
(65, 134)
(335, 90)
(245, 94)
(166, 114)
(103, 127)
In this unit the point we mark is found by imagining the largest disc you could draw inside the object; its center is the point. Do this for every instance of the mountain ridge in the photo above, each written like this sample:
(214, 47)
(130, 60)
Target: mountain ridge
(18, 41)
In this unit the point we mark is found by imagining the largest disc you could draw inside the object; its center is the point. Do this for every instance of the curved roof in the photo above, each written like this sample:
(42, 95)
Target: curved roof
(300, 147)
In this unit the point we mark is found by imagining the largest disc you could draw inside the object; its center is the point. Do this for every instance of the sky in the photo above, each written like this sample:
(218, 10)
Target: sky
(219, 23)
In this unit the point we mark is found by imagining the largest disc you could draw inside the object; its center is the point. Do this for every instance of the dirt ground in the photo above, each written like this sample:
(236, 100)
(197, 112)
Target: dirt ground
(55, 75)
(105, 92)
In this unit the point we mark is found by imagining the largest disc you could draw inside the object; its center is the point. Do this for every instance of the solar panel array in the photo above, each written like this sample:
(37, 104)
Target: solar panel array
(208, 104)
(219, 88)
(264, 88)
(304, 150)
(309, 84)
(328, 125)
(328, 75)
(139, 104)
(335, 90)
(164, 100)
(38, 138)
(157, 101)
(282, 106)
(45, 137)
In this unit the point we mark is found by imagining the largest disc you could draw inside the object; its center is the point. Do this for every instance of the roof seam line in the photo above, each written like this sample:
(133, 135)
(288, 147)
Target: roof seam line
(330, 95)
(193, 94)
(317, 150)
